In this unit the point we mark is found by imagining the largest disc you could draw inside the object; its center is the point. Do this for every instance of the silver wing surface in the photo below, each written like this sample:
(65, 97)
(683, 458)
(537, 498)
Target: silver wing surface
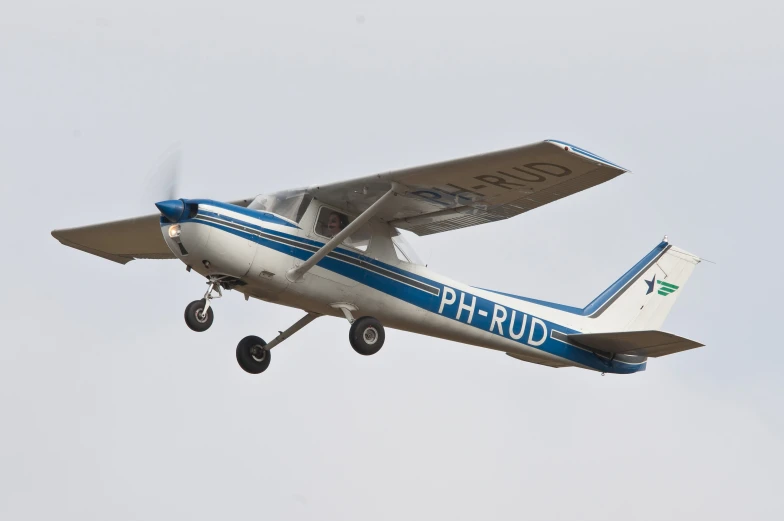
(474, 190)
(122, 241)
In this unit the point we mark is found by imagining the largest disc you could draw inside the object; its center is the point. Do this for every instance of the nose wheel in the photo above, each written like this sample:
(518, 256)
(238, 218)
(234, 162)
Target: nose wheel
(198, 316)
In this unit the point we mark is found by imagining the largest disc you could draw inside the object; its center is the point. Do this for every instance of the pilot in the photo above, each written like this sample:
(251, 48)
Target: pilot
(335, 223)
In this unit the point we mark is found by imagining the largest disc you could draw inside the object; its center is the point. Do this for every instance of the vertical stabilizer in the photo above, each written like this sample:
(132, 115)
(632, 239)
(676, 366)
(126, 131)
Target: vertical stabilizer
(644, 296)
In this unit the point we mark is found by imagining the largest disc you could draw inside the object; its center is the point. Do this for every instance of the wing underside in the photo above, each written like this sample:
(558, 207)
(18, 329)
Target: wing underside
(119, 241)
(432, 198)
(474, 190)
(123, 241)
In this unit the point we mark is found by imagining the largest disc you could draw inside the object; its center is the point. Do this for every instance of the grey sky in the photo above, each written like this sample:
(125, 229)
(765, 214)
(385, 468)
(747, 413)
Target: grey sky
(113, 409)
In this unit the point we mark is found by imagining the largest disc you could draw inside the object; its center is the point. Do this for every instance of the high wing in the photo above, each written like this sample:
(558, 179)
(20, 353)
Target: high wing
(474, 190)
(122, 241)
(433, 198)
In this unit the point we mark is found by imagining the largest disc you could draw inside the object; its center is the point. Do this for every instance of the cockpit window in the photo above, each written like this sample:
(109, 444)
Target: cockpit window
(291, 205)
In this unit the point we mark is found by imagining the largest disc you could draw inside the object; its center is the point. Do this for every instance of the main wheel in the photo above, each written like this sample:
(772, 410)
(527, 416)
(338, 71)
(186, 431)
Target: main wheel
(195, 317)
(252, 356)
(366, 335)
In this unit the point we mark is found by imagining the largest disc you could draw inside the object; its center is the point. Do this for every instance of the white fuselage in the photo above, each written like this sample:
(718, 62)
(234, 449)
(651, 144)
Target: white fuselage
(259, 249)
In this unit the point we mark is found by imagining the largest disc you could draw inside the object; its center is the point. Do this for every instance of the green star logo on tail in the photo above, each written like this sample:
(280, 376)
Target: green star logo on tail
(665, 288)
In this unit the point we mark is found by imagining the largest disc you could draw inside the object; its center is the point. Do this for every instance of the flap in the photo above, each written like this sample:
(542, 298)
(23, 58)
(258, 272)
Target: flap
(641, 343)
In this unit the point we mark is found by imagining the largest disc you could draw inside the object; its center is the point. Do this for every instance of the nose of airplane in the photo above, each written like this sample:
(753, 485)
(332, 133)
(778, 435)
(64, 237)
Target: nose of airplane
(172, 209)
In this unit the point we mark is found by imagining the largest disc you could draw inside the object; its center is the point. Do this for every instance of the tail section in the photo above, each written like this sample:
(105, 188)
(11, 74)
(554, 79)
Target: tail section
(643, 297)
(621, 325)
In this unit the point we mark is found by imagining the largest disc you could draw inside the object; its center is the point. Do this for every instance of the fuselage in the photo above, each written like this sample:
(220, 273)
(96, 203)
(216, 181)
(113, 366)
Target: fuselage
(257, 249)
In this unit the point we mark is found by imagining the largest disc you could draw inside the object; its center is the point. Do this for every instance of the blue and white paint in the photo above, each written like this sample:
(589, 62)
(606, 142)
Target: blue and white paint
(509, 323)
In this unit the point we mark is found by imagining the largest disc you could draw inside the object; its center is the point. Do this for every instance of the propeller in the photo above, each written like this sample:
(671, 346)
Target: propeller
(164, 183)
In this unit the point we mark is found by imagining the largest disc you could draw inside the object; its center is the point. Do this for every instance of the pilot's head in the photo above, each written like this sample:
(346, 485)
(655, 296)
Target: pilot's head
(335, 223)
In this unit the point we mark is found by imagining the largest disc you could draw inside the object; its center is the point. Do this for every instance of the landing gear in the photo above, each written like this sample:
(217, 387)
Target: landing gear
(198, 316)
(366, 336)
(253, 355)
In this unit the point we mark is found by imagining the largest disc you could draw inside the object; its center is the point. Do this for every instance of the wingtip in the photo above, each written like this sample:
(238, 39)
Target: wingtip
(572, 149)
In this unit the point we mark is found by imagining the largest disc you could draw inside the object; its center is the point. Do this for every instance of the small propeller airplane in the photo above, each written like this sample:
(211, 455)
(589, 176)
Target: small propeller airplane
(336, 250)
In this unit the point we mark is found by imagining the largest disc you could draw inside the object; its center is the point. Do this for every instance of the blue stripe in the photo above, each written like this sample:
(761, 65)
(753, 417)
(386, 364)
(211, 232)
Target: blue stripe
(423, 299)
(318, 244)
(258, 214)
(605, 295)
(585, 153)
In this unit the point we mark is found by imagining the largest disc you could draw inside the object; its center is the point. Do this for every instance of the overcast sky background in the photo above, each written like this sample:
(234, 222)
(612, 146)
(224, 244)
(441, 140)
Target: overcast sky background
(113, 409)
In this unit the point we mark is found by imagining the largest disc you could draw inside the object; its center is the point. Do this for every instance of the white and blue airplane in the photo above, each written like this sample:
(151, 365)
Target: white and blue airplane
(336, 250)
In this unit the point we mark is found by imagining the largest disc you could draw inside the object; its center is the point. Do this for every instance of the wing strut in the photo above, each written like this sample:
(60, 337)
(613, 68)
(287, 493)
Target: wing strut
(296, 273)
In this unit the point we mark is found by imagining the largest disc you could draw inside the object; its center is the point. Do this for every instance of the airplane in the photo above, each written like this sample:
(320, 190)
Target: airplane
(337, 250)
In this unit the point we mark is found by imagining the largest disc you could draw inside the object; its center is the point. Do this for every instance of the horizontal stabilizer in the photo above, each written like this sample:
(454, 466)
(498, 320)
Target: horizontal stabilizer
(641, 343)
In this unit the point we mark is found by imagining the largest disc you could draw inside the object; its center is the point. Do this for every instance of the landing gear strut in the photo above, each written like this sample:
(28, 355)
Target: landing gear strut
(253, 353)
(366, 335)
(199, 314)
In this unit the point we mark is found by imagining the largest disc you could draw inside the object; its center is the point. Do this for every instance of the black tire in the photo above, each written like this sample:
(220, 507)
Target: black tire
(252, 356)
(193, 317)
(366, 336)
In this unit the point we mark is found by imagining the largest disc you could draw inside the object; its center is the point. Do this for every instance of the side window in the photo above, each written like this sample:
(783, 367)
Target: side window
(331, 222)
(404, 251)
(400, 255)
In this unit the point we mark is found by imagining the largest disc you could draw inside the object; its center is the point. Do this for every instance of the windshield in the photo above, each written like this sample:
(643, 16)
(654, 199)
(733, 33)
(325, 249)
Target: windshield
(291, 205)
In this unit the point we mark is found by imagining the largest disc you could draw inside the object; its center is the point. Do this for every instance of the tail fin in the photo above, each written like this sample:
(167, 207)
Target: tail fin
(643, 297)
